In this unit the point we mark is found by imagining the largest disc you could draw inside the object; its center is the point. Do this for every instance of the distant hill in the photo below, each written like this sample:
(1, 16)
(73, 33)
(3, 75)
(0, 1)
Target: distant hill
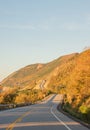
(31, 75)
(69, 70)
(69, 74)
(86, 48)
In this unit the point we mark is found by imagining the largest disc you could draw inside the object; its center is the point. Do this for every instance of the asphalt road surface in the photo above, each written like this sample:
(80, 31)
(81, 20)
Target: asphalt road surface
(41, 116)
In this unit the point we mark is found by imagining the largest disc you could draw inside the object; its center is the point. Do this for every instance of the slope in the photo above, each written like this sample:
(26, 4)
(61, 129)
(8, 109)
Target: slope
(31, 74)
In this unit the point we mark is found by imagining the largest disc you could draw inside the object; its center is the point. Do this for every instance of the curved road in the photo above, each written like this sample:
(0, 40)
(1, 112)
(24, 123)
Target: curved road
(41, 116)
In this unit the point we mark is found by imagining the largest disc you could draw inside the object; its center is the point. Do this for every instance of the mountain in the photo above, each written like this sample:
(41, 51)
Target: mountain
(69, 75)
(31, 75)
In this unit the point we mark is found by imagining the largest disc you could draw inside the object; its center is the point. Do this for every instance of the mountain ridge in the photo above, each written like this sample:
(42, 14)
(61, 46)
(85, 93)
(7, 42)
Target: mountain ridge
(31, 69)
(68, 75)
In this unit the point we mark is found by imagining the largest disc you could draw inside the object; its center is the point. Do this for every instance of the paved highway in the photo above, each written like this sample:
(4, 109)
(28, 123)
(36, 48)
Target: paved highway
(41, 116)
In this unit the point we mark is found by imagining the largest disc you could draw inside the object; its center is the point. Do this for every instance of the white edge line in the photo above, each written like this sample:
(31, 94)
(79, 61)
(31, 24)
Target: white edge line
(59, 119)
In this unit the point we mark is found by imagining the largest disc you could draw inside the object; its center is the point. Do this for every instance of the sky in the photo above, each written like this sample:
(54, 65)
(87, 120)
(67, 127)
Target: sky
(39, 31)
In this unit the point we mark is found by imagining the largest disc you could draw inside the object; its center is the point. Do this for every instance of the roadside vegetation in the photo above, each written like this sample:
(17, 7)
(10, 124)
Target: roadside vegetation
(68, 75)
(73, 80)
(22, 97)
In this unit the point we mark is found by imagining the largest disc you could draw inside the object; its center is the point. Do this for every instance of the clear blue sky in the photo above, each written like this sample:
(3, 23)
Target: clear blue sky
(34, 31)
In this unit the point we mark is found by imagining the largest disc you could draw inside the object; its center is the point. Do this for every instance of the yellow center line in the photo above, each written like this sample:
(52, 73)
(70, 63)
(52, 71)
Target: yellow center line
(11, 126)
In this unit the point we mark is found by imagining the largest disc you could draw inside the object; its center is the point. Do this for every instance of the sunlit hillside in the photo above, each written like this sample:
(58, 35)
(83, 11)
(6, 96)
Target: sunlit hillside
(31, 74)
(69, 75)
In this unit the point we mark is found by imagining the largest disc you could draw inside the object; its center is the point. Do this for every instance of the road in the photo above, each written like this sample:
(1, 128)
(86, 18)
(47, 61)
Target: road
(41, 116)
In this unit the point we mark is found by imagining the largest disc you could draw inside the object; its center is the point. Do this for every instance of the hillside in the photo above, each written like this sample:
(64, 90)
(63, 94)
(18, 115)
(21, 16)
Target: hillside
(69, 74)
(30, 75)
(73, 80)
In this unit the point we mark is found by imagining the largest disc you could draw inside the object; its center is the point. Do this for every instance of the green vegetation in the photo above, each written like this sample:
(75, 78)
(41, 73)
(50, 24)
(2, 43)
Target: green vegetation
(83, 112)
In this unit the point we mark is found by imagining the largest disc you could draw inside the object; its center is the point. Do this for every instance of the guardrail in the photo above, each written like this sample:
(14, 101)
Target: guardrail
(10, 106)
